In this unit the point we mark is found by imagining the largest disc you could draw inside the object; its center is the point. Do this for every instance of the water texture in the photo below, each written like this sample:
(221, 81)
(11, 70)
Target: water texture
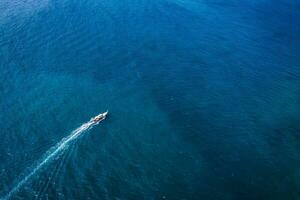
(204, 99)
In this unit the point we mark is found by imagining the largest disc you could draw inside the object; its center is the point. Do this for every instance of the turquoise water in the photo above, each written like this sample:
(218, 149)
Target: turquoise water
(204, 99)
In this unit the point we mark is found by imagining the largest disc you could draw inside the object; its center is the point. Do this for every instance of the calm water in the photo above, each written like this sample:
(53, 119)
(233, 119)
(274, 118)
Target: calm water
(204, 99)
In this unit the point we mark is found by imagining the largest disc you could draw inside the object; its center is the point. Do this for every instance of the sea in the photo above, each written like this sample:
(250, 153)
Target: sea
(203, 99)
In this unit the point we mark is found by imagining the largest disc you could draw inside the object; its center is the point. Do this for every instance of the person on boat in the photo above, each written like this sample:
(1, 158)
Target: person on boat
(98, 118)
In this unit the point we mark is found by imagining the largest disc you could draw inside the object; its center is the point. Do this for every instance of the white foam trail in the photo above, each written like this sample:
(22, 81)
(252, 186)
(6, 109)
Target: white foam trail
(52, 153)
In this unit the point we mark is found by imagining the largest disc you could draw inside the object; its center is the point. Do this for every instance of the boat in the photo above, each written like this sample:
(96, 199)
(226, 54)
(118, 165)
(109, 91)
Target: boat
(100, 117)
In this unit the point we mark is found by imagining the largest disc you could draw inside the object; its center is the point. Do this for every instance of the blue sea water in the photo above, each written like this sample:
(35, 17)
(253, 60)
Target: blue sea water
(204, 99)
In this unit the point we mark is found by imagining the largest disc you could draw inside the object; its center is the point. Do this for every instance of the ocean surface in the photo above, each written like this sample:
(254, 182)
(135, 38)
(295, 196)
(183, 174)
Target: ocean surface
(203, 95)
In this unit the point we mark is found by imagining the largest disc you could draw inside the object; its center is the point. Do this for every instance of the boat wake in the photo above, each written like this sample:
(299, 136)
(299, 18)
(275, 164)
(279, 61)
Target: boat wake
(52, 154)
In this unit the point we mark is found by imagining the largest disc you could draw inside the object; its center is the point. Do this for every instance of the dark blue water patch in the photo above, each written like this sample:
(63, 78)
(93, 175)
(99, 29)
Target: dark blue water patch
(218, 144)
(218, 132)
(222, 105)
(204, 98)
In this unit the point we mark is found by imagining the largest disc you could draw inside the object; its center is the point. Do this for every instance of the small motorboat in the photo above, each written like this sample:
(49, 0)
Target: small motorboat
(100, 117)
